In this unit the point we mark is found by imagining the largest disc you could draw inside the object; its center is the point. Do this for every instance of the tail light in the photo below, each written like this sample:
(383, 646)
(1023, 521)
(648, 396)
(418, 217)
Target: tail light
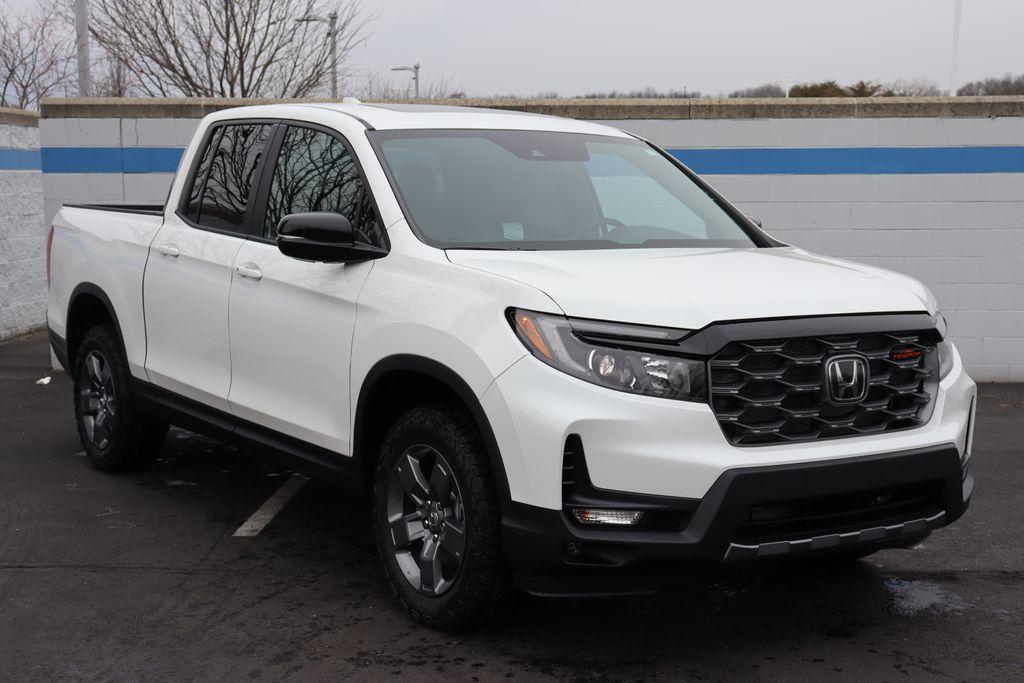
(49, 248)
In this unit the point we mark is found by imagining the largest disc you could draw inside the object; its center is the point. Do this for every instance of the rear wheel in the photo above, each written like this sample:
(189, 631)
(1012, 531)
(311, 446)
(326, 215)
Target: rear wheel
(115, 434)
(437, 518)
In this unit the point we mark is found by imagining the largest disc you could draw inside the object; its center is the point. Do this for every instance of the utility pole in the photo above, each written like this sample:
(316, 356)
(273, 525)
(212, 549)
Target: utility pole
(332, 33)
(415, 69)
(954, 67)
(82, 47)
(332, 26)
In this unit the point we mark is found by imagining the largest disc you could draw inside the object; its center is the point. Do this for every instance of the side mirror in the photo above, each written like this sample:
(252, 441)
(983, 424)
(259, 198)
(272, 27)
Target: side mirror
(322, 236)
(755, 220)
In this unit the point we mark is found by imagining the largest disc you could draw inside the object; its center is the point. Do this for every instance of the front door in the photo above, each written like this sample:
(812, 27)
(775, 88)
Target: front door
(292, 321)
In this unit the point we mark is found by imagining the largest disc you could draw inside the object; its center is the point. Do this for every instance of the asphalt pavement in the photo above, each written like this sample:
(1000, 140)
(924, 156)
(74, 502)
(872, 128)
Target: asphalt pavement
(140, 577)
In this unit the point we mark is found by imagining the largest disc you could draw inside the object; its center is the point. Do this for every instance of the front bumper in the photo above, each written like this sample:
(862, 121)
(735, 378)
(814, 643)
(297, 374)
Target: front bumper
(654, 446)
(672, 458)
(551, 554)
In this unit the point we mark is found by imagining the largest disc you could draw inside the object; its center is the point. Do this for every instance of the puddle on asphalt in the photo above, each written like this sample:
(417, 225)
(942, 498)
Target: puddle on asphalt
(911, 598)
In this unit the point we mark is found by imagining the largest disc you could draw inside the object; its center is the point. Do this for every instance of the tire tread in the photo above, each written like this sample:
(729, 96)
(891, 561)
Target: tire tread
(483, 582)
(136, 436)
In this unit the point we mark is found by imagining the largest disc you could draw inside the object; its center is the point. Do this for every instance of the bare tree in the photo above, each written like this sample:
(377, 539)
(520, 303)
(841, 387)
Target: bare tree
(913, 87)
(35, 55)
(374, 86)
(225, 48)
(1007, 85)
(760, 91)
(647, 93)
(110, 78)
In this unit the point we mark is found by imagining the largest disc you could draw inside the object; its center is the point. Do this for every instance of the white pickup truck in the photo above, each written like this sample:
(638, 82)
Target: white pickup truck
(546, 351)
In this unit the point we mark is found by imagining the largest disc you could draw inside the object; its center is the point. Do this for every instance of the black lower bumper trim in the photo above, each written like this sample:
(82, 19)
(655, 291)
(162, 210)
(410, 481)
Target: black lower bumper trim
(551, 554)
(60, 348)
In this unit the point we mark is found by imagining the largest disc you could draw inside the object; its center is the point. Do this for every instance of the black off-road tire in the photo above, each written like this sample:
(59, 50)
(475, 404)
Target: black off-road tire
(131, 438)
(481, 582)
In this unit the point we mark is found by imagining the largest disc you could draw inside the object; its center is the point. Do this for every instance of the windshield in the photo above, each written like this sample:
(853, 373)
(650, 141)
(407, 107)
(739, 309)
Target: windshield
(496, 189)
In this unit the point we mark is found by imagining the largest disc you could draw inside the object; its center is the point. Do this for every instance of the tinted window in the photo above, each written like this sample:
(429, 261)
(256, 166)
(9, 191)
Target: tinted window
(315, 172)
(547, 190)
(229, 165)
(199, 177)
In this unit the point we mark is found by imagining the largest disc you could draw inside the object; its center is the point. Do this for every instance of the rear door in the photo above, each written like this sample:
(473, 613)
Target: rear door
(292, 321)
(188, 275)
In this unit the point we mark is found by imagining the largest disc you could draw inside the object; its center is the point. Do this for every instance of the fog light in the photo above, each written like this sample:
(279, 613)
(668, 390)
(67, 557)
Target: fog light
(613, 517)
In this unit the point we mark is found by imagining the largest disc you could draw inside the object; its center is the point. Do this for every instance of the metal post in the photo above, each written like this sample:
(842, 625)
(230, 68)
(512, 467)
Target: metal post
(332, 24)
(415, 70)
(82, 46)
(954, 67)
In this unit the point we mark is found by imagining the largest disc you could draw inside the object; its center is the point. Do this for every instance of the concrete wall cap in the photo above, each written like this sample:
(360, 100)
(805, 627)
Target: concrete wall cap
(592, 109)
(18, 117)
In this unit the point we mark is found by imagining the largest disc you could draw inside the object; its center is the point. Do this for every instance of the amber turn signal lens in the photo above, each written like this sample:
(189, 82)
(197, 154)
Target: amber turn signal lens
(532, 334)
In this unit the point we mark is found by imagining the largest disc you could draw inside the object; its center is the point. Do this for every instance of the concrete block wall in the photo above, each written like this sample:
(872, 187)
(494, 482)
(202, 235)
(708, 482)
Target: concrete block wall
(97, 160)
(22, 230)
(884, 202)
(933, 187)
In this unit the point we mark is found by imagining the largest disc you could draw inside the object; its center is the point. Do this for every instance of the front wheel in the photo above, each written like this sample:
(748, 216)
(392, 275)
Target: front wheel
(437, 518)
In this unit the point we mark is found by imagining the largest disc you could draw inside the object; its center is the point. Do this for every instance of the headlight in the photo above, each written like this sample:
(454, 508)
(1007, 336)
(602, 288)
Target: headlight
(551, 338)
(946, 353)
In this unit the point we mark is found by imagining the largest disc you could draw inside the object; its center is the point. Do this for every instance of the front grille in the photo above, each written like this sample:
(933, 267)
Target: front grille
(773, 391)
(839, 514)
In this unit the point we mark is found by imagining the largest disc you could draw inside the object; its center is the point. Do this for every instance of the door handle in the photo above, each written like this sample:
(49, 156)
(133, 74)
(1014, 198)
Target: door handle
(249, 270)
(168, 250)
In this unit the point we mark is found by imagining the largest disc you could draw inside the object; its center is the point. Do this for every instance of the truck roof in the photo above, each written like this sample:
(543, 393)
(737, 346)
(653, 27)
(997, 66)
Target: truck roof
(390, 116)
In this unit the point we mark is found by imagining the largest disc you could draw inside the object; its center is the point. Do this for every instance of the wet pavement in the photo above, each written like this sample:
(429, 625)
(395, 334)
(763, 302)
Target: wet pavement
(138, 577)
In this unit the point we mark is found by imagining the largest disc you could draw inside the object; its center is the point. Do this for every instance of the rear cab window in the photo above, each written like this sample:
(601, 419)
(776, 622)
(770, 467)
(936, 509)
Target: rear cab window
(225, 175)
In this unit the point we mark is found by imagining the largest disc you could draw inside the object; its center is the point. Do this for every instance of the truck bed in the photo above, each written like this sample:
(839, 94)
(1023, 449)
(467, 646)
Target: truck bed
(146, 209)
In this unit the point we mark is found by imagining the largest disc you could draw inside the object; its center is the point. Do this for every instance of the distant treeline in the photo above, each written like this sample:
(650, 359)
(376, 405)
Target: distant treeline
(1007, 85)
(913, 87)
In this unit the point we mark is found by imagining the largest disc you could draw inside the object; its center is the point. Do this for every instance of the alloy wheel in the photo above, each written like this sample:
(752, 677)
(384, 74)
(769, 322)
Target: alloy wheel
(426, 520)
(98, 400)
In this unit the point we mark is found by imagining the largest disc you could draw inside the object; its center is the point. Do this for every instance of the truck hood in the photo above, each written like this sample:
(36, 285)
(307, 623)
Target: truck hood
(691, 288)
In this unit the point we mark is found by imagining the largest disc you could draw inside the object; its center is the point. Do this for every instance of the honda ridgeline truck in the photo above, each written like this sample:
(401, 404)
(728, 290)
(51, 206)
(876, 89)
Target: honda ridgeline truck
(548, 352)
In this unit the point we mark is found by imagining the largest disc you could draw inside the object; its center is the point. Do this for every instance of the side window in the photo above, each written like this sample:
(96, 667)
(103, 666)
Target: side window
(226, 174)
(195, 192)
(315, 172)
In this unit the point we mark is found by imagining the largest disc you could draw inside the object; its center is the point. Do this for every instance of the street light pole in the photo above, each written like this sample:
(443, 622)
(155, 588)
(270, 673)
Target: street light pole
(82, 47)
(332, 33)
(954, 66)
(415, 69)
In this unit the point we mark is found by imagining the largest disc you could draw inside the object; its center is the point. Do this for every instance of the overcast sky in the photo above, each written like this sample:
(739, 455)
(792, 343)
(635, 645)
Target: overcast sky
(530, 46)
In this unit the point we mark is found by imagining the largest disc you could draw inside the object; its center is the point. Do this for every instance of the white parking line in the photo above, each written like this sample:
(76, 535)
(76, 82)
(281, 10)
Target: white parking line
(273, 505)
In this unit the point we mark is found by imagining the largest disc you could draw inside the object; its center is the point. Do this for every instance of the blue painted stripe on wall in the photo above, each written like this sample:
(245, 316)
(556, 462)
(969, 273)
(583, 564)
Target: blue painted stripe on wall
(111, 159)
(852, 160)
(19, 159)
(752, 161)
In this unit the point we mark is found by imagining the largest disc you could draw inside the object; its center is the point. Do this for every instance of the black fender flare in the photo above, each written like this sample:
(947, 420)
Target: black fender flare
(90, 289)
(444, 374)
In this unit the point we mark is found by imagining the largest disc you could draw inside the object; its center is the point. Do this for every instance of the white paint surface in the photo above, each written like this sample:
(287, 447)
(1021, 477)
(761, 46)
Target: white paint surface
(259, 520)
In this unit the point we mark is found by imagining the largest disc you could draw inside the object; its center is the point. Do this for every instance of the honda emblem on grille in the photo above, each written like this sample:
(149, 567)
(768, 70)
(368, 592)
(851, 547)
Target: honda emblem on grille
(846, 378)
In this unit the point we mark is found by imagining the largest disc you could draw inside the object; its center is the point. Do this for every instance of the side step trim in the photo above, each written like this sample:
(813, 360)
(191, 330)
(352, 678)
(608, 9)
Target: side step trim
(294, 453)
